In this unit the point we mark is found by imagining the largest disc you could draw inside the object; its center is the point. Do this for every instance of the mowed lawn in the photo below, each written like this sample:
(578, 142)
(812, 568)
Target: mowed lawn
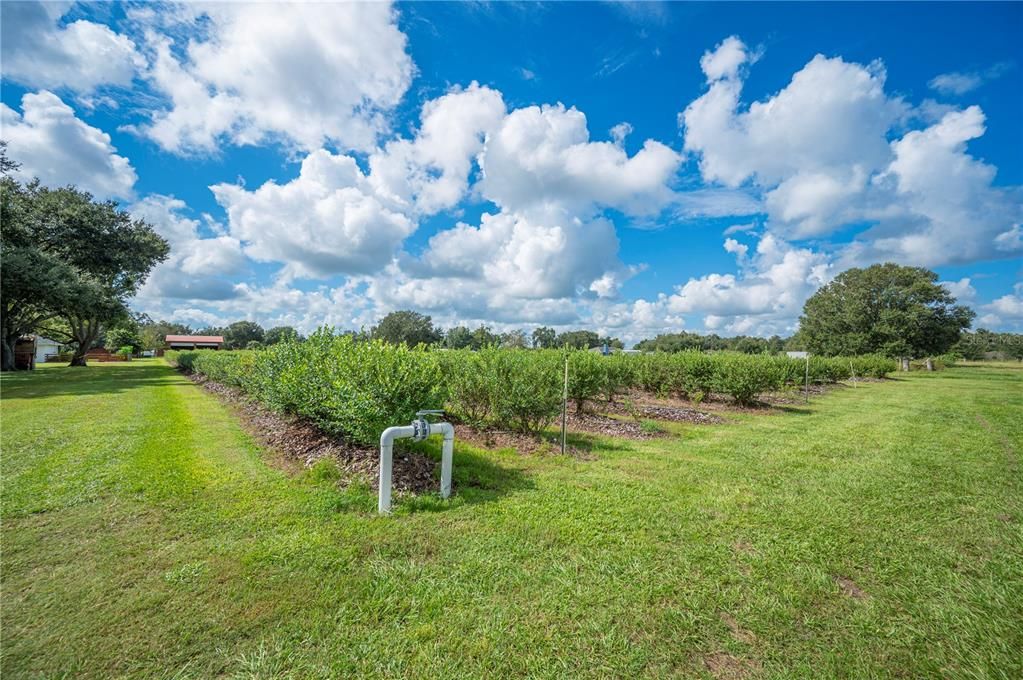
(877, 532)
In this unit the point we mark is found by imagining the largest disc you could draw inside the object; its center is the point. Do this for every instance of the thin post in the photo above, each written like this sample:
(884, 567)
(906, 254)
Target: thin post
(564, 408)
(806, 380)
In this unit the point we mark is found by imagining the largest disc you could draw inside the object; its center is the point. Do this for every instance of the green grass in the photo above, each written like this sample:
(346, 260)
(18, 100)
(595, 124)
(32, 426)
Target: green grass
(877, 532)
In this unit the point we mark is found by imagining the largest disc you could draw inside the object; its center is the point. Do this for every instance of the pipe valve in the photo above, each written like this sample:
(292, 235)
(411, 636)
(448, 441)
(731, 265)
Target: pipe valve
(421, 426)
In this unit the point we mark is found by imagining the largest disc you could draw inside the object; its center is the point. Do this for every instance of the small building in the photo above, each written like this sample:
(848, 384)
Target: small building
(46, 349)
(194, 341)
(25, 353)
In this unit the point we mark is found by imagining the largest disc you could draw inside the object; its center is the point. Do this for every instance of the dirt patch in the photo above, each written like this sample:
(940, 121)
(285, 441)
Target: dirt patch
(725, 666)
(645, 406)
(738, 632)
(609, 427)
(527, 444)
(1003, 517)
(679, 415)
(797, 395)
(297, 444)
(741, 547)
(849, 588)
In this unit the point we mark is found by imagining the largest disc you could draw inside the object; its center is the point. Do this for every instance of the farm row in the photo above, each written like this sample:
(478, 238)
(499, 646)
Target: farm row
(355, 389)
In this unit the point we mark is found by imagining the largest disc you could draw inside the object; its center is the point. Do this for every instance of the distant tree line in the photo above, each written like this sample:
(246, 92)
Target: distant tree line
(985, 344)
(678, 342)
(413, 328)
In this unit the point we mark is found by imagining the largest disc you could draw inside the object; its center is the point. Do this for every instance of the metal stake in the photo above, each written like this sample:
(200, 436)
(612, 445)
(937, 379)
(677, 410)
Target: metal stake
(564, 409)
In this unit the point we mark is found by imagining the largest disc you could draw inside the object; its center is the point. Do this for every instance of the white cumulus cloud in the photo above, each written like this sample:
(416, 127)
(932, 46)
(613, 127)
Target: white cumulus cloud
(324, 222)
(81, 55)
(311, 74)
(59, 148)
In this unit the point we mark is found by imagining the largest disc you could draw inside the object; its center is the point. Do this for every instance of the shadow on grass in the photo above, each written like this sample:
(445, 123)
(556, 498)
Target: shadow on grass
(83, 381)
(794, 410)
(477, 476)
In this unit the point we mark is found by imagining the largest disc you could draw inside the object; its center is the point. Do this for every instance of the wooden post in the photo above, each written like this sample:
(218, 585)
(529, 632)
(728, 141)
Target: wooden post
(565, 405)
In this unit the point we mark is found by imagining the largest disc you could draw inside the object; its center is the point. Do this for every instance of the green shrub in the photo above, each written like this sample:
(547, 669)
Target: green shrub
(621, 375)
(348, 388)
(691, 374)
(470, 379)
(529, 388)
(745, 377)
(587, 377)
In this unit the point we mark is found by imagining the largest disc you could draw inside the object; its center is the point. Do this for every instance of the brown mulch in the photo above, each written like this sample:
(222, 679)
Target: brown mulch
(607, 426)
(297, 444)
(647, 407)
(523, 443)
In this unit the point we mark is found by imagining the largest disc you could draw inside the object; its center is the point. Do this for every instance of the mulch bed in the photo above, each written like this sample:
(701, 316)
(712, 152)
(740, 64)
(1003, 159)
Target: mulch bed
(644, 406)
(523, 443)
(608, 427)
(298, 444)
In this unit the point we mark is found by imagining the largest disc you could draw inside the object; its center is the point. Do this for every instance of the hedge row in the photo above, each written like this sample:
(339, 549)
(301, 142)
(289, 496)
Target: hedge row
(358, 388)
(348, 388)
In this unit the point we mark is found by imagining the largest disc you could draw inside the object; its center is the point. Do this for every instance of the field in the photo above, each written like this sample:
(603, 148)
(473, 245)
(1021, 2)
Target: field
(876, 532)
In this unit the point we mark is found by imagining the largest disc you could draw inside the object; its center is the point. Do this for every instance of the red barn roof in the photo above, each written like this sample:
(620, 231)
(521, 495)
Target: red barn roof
(203, 339)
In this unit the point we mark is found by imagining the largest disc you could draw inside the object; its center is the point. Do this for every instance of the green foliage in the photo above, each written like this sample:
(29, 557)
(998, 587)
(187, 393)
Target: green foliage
(508, 389)
(690, 374)
(885, 308)
(116, 338)
(984, 344)
(681, 342)
(529, 388)
(70, 264)
(544, 337)
(587, 377)
(472, 388)
(621, 375)
(239, 334)
(348, 388)
(281, 334)
(408, 327)
(153, 334)
(745, 377)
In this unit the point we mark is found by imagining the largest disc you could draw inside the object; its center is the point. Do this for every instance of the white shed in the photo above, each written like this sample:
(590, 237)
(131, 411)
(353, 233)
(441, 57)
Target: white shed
(45, 346)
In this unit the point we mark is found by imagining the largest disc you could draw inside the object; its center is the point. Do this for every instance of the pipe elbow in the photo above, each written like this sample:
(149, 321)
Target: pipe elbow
(446, 429)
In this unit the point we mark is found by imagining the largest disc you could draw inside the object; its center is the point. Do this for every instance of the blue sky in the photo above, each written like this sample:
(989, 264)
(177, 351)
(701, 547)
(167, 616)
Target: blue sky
(635, 168)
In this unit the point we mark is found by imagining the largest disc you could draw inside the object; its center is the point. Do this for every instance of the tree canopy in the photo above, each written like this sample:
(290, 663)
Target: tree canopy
(887, 308)
(406, 326)
(70, 263)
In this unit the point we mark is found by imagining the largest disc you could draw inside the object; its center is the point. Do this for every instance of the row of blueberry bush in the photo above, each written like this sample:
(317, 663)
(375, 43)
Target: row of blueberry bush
(357, 388)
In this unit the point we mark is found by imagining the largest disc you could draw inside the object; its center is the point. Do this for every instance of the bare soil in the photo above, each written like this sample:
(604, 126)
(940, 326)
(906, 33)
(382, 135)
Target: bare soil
(646, 406)
(526, 444)
(595, 423)
(738, 632)
(298, 444)
(725, 666)
(849, 588)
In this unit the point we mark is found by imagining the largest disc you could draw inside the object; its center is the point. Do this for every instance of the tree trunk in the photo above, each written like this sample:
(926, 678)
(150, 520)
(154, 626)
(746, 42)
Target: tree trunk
(930, 364)
(7, 360)
(84, 333)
